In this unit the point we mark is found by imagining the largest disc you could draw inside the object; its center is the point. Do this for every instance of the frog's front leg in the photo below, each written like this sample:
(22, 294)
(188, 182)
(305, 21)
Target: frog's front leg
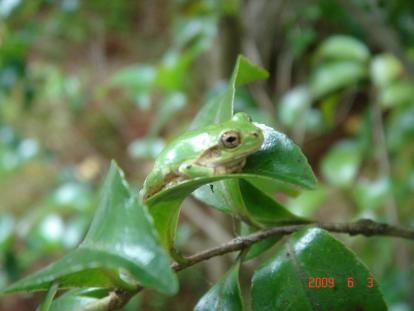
(190, 169)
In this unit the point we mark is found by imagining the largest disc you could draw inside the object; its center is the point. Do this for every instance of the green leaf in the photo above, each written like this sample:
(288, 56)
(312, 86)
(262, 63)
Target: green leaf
(272, 186)
(332, 77)
(223, 296)
(165, 211)
(8, 8)
(137, 80)
(173, 69)
(400, 128)
(134, 77)
(257, 248)
(214, 195)
(285, 281)
(263, 208)
(370, 194)
(279, 160)
(245, 72)
(170, 105)
(119, 250)
(223, 195)
(294, 105)
(340, 165)
(190, 29)
(75, 299)
(7, 225)
(220, 108)
(328, 106)
(385, 68)
(397, 93)
(243, 199)
(314, 122)
(308, 202)
(341, 47)
(299, 39)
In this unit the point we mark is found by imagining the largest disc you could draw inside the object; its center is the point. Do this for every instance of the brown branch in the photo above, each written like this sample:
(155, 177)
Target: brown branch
(364, 227)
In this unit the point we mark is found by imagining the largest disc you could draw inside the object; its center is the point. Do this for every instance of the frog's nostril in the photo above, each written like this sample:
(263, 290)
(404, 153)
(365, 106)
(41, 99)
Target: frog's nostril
(255, 134)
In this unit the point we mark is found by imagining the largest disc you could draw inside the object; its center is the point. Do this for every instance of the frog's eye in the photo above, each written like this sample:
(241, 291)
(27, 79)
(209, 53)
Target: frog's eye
(230, 139)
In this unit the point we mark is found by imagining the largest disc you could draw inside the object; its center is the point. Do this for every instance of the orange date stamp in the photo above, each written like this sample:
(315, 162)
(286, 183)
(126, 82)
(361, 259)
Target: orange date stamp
(329, 282)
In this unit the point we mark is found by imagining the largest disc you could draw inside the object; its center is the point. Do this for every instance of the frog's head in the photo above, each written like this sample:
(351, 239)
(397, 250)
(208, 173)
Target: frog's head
(239, 138)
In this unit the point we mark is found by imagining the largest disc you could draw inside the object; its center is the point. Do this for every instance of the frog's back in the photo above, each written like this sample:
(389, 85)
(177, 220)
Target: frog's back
(187, 146)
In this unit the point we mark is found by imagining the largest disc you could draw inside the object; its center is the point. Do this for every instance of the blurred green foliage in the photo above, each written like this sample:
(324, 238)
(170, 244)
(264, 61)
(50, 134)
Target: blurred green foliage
(82, 82)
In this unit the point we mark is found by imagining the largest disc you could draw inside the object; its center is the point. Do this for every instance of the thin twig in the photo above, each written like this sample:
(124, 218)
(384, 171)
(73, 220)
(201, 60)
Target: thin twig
(364, 227)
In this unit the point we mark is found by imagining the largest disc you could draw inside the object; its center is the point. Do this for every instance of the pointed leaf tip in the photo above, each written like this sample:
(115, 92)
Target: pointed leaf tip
(120, 249)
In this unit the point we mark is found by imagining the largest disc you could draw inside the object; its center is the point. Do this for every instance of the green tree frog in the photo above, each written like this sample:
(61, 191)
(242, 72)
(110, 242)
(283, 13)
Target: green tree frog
(210, 151)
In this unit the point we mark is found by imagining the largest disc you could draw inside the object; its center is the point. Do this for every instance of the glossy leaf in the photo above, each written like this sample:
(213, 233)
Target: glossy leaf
(214, 195)
(281, 159)
(223, 296)
(75, 299)
(341, 164)
(243, 199)
(120, 249)
(266, 211)
(223, 195)
(341, 47)
(263, 208)
(271, 186)
(165, 211)
(288, 280)
(332, 77)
